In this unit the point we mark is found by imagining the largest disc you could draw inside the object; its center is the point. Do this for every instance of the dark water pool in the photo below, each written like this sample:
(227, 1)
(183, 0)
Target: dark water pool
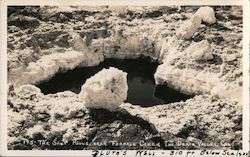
(141, 85)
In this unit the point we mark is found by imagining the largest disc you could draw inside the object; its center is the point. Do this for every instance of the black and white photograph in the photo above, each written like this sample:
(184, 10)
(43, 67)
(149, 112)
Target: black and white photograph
(125, 77)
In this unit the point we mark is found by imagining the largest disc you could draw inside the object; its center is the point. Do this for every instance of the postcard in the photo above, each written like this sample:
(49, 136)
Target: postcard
(124, 78)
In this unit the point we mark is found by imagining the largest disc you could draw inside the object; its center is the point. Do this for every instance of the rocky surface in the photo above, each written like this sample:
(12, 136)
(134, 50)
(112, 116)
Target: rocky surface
(192, 122)
(43, 41)
(35, 117)
(65, 123)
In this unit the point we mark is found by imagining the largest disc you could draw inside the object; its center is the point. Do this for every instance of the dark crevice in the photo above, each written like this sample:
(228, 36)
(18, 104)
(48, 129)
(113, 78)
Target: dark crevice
(102, 117)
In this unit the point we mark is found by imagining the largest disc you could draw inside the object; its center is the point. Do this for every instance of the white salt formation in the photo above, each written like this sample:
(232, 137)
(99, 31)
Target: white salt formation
(200, 51)
(206, 14)
(188, 28)
(92, 55)
(48, 65)
(27, 90)
(107, 89)
(191, 81)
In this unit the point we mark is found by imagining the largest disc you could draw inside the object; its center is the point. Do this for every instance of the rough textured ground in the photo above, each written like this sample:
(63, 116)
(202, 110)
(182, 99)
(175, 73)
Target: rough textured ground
(43, 41)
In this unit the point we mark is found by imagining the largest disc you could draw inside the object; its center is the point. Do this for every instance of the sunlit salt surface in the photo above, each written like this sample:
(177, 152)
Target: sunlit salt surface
(142, 89)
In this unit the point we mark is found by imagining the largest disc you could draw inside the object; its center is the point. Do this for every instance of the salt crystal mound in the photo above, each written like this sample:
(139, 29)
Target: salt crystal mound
(107, 89)
(206, 14)
(190, 27)
(200, 51)
(190, 80)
